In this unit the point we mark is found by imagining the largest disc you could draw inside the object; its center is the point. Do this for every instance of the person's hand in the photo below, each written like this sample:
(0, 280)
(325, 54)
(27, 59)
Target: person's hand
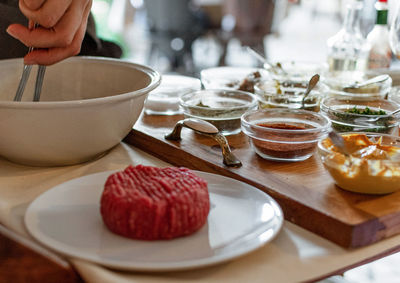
(62, 26)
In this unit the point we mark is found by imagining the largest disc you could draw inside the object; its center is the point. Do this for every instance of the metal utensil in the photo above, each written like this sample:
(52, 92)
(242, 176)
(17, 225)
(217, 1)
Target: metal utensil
(277, 69)
(311, 84)
(374, 80)
(39, 82)
(394, 112)
(339, 142)
(25, 76)
(207, 129)
(369, 119)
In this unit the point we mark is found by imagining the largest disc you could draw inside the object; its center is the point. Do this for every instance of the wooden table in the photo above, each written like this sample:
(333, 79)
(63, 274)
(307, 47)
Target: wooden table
(308, 256)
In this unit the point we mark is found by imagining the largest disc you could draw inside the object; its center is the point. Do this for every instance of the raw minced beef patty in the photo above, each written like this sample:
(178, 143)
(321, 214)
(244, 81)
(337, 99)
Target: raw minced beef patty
(150, 203)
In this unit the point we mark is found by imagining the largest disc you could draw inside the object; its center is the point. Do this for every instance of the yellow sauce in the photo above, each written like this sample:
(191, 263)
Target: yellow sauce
(370, 169)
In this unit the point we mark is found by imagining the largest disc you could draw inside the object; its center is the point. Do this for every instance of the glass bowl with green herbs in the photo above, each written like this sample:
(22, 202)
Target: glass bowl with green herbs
(221, 107)
(352, 115)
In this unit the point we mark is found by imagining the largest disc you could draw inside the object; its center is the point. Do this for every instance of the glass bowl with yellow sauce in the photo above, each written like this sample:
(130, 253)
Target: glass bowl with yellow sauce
(371, 165)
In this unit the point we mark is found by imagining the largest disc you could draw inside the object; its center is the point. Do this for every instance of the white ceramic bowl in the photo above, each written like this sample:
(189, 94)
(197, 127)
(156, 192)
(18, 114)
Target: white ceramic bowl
(87, 106)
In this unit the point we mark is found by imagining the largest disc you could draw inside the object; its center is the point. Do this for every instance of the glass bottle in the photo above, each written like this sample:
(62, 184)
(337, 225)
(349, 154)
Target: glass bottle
(380, 55)
(348, 49)
(394, 33)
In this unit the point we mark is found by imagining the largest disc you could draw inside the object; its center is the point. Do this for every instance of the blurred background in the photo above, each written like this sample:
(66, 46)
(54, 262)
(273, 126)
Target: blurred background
(185, 36)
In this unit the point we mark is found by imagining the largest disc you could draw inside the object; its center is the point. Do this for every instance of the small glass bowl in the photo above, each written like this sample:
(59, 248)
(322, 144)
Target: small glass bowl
(361, 174)
(164, 100)
(233, 78)
(284, 134)
(222, 108)
(289, 94)
(337, 86)
(337, 110)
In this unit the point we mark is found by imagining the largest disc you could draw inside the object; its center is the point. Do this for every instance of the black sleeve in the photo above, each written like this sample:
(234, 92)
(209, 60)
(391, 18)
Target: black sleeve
(9, 13)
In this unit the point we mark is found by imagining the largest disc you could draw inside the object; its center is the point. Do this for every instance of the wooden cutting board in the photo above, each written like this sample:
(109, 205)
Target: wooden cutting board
(305, 190)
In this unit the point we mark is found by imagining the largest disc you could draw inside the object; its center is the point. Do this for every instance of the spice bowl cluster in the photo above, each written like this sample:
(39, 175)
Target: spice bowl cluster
(281, 116)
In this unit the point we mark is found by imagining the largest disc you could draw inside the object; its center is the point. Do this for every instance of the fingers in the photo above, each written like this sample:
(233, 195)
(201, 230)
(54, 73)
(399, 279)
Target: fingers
(59, 35)
(50, 12)
(33, 4)
(53, 55)
(58, 42)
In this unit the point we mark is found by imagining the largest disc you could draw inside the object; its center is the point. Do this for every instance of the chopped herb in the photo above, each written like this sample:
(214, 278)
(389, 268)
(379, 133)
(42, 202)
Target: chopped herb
(365, 111)
(345, 121)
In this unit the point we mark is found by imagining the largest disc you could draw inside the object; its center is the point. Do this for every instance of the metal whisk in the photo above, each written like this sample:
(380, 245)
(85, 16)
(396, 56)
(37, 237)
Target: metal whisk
(25, 76)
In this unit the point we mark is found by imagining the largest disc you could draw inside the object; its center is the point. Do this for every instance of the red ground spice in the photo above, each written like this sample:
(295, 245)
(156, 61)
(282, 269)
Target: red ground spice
(282, 150)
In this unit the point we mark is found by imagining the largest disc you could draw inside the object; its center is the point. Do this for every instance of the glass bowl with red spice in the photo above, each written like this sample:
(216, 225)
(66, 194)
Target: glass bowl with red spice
(281, 134)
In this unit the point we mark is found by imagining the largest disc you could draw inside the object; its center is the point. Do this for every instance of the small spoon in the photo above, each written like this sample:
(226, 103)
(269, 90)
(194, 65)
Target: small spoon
(207, 129)
(368, 120)
(394, 112)
(276, 69)
(373, 80)
(311, 84)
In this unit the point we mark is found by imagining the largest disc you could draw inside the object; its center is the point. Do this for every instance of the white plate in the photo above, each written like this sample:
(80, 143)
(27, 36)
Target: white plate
(67, 219)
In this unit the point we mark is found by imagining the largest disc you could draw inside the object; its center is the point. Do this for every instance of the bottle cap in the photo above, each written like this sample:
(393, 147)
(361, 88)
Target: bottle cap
(385, 1)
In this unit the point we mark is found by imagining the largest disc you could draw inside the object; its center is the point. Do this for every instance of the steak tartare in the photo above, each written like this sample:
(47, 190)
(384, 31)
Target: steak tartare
(151, 203)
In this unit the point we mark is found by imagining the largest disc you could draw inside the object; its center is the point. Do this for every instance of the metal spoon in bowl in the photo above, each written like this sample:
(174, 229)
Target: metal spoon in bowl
(394, 112)
(276, 69)
(339, 142)
(311, 84)
(374, 80)
(366, 121)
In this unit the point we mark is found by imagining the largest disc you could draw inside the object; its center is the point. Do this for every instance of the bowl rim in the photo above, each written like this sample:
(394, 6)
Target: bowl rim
(231, 68)
(320, 128)
(249, 105)
(318, 91)
(327, 109)
(155, 80)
